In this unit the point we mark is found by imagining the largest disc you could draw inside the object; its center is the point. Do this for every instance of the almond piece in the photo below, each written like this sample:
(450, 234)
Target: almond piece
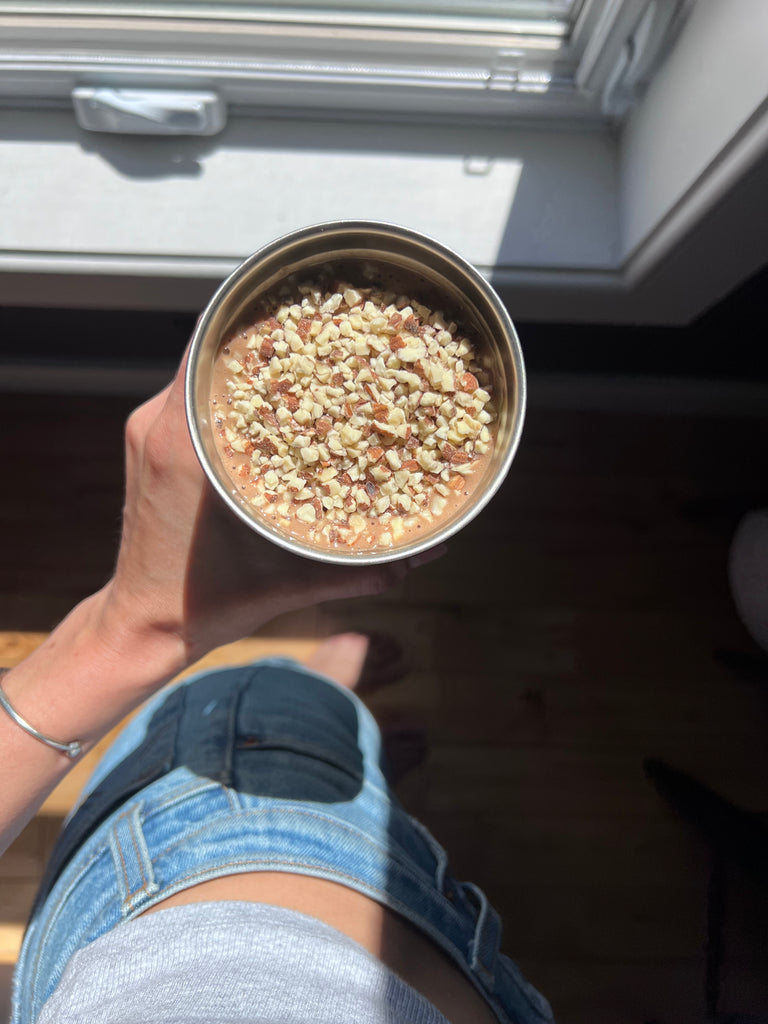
(350, 435)
(380, 473)
(356, 523)
(309, 454)
(437, 504)
(385, 430)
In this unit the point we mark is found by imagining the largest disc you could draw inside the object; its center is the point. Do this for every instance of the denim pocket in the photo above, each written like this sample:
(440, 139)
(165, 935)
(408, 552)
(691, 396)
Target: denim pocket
(296, 740)
(287, 768)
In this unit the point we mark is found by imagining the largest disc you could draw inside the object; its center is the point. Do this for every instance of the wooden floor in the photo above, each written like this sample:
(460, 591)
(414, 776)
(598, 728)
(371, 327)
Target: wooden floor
(568, 634)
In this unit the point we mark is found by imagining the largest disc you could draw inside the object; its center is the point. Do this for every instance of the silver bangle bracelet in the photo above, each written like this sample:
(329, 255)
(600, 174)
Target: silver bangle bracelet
(72, 750)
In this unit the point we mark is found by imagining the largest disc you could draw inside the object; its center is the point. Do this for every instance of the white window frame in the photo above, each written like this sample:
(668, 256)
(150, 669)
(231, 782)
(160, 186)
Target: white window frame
(262, 60)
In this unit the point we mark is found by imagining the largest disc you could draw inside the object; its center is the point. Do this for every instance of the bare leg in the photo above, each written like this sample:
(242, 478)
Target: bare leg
(365, 664)
(359, 661)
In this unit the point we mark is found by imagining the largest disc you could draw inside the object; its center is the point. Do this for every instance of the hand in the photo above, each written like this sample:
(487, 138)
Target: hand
(189, 577)
(188, 570)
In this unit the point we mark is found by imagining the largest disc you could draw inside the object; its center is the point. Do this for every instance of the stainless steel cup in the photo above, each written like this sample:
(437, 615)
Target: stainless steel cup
(412, 264)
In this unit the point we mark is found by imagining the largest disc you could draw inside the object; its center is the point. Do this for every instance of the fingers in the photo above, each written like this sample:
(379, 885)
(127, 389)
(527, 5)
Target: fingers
(363, 582)
(337, 582)
(176, 388)
(136, 431)
(425, 557)
(144, 414)
(160, 424)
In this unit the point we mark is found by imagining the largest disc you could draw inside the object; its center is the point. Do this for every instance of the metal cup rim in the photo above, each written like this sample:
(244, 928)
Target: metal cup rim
(295, 238)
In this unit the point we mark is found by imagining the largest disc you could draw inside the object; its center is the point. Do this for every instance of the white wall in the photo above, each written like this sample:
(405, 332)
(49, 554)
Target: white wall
(699, 110)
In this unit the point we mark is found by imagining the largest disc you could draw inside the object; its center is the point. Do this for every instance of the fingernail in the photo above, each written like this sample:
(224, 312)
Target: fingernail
(425, 557)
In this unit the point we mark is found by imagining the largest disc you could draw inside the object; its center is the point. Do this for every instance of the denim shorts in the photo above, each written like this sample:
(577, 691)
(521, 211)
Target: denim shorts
(266, 767)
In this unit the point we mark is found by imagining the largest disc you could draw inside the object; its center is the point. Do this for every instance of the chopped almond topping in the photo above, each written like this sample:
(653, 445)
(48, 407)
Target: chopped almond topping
(349, 410)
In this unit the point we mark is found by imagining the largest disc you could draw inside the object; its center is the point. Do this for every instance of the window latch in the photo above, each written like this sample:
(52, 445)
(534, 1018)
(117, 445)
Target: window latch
(148, 111)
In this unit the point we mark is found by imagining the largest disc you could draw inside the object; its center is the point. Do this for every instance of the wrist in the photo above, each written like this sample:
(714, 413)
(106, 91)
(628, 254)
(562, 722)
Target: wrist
(91, 671)
(127, 630)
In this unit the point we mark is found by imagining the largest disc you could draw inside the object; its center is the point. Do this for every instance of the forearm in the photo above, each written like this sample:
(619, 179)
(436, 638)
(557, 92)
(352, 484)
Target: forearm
(89, 673)
(189, 577)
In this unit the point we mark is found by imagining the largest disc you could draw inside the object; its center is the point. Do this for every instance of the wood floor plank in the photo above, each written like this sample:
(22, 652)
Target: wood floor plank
(6, 973)
(584, 992)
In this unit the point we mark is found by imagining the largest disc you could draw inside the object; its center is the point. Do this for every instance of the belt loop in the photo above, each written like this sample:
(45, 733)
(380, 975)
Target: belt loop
(437, 851)
(142, 766)
(484, 949)
(133, 864)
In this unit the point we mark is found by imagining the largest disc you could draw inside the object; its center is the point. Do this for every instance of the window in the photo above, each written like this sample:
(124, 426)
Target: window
(457, 59)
